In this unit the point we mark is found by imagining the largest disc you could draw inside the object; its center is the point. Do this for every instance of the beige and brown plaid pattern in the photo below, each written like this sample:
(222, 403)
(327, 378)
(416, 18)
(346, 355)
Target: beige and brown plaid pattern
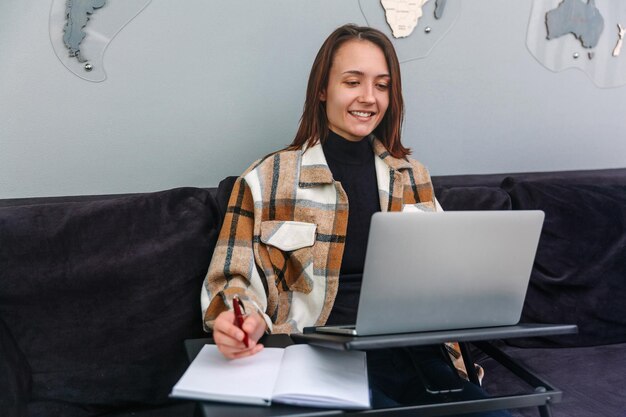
(272, 206)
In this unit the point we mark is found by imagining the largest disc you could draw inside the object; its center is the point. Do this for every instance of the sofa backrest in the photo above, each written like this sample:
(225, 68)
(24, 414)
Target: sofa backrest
(99, 294)
(579, 276)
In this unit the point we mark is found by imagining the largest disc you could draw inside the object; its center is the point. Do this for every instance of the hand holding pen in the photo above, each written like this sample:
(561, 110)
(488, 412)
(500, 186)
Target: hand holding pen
(237, 337)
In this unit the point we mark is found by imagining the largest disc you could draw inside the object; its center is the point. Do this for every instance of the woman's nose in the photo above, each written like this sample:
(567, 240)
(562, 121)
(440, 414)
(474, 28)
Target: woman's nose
(367, 94)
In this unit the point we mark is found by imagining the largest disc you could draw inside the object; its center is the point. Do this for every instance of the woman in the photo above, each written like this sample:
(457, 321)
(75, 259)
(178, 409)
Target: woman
(293, 242)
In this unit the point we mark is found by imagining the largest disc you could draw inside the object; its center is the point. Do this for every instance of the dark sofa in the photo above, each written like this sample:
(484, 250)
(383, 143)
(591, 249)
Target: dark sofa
(579, 277)
(98, 293)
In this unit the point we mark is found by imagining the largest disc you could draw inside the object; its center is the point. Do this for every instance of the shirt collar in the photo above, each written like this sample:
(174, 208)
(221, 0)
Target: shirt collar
(314, 169)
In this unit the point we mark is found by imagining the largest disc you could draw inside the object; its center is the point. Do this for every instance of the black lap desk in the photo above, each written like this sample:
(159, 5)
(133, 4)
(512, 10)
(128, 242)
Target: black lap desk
(542, 395)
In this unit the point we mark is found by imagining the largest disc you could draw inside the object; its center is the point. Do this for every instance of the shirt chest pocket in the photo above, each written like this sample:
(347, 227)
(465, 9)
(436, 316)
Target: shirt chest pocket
(290, 248)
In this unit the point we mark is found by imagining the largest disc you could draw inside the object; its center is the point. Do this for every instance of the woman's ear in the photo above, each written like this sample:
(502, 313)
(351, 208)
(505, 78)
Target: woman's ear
(323, 95)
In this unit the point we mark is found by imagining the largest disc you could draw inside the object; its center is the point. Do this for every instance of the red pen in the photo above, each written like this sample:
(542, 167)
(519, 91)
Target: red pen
(239, 318)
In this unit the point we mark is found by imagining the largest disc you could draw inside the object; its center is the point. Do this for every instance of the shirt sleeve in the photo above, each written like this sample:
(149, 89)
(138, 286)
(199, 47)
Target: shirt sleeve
(233, 270)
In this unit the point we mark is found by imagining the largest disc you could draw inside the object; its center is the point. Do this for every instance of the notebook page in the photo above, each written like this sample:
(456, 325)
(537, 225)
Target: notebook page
(247, 380)
(320, 377)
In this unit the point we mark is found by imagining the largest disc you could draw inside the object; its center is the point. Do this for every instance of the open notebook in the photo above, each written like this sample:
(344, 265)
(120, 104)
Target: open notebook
(298, 375)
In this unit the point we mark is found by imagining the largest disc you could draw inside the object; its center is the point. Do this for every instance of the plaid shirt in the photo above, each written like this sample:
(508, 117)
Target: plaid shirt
(282, 241)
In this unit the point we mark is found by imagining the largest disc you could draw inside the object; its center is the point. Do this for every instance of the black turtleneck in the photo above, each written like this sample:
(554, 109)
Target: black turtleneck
(352, 164)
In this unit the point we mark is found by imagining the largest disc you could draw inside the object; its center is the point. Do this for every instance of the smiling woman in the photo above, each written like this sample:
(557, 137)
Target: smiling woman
(357, 93)
(314, 124)
(293, 242)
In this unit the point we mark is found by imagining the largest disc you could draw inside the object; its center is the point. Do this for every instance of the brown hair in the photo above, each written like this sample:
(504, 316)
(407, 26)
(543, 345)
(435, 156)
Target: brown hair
(314, 124)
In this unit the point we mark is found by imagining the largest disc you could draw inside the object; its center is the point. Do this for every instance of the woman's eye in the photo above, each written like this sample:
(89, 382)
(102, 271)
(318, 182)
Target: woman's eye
(352, 83)
(382, 86)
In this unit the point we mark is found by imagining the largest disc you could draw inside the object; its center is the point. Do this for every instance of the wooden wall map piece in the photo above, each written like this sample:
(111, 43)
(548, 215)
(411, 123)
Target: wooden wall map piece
(77, 15)
(440, 6)
(402, 15)
(576, 38)
(81, 30)
(581, 19)
(437, 17)
(620, 39)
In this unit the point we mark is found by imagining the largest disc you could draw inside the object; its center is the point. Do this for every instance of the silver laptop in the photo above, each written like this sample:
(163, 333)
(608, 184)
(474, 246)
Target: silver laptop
(446, 270)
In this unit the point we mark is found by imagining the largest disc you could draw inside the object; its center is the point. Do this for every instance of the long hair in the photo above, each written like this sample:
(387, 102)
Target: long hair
(314, 123)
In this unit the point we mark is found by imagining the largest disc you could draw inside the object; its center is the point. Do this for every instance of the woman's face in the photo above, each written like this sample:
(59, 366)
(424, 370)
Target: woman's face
(357, 94)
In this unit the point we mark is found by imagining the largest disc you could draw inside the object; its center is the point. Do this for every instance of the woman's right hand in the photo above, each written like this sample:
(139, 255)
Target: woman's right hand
(229, 338)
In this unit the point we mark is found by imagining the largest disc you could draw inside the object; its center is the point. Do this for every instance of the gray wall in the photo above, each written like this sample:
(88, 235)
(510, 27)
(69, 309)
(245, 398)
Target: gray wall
(197, 92)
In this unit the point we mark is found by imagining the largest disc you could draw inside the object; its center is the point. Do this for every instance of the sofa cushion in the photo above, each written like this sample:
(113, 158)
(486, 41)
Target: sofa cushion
(222, 195)
(471, 180)
(15, 378)
(473, 198)
(590, 378)
(100, 295)
(580, 268)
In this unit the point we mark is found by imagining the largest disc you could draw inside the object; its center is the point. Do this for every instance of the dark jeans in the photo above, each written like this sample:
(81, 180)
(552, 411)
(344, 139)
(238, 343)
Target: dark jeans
(404, 376)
